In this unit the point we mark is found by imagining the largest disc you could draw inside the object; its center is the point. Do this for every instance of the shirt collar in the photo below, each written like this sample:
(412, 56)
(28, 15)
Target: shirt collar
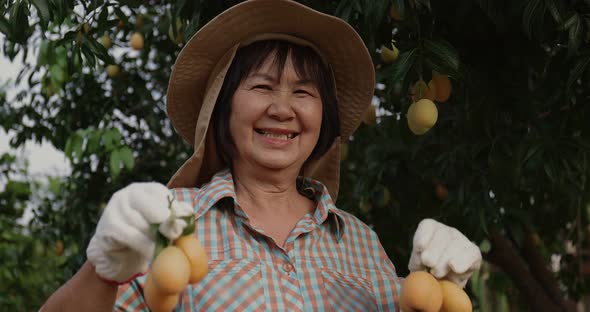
(222, 186)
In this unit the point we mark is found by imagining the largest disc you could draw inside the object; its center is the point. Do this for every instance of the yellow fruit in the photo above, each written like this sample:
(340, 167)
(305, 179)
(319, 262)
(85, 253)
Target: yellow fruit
(441, 192)
(136, 41)
(85, 28)
(421, 292)
(422, 114)
(179, 38)
(344, 151)
(386, 196)
(443, 87)
(395, 14)
(105, 41)
(113, 70)
(156, 300)
(370, 117)
(454, 298)
(415, 129)
(59, 248)
(389, 55)
(196, 255)
(365, 207)
(171, 270)
(421, 90)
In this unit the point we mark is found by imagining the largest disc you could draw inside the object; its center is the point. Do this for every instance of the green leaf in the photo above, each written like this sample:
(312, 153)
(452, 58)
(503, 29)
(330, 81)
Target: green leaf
(575, 34)
(57, 73)
(179, 5)
(74, 146)
(111, 138)
(190, 228)
(115, 163)
(89, 56)
(444, 54)
(43, 10)
(127, 157)
(20, 22)
(577, 71)
(42, 58)
(98, 49)
(554, 10)
(94, 141)
(104, 14)
(68, 37)
(532, 16)
(4, 25)
(121, 15)
(344, 9)
(424, 3)
(18, 189)
(55, 185)
(402, 66)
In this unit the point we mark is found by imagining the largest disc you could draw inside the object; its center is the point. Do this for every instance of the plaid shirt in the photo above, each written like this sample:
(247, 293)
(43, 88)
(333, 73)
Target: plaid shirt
(331, 261)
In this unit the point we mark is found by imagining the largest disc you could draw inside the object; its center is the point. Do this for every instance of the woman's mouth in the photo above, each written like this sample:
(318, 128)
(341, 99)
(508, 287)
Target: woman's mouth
(277, 134)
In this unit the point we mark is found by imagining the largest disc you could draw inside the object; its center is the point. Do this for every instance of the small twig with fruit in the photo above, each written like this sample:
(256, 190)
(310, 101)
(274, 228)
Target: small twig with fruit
(180, 259)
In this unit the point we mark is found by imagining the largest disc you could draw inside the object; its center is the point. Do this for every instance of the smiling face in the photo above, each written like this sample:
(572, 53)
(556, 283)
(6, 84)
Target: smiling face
(275, 118)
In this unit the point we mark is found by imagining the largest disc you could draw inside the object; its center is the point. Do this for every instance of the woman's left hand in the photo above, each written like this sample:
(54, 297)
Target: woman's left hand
(444, 251)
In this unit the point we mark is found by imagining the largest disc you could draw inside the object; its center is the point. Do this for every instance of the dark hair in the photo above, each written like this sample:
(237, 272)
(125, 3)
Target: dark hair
(308, 65)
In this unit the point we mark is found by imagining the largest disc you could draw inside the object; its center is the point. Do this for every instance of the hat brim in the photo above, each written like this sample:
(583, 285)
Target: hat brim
(339, 43)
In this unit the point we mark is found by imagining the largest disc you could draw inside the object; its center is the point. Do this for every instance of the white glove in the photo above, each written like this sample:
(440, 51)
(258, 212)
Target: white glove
(445, 252)
(124, 241)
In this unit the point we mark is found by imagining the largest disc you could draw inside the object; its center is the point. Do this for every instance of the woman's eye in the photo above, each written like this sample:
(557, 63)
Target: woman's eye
(303, 92)
(263, 87)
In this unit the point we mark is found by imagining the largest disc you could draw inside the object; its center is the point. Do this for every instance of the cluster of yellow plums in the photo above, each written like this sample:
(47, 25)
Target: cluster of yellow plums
(177, 265)
(423, 292)
(422, 114)
(136, 40)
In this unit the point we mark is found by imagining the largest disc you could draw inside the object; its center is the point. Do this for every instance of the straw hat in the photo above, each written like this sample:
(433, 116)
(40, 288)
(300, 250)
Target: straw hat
(201, 66)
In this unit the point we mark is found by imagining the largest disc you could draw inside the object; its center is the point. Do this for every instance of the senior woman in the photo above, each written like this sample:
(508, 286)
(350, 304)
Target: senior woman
(265, 92)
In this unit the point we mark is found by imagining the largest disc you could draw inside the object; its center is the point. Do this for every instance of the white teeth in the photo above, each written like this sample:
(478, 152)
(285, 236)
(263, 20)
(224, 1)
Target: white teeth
(278, 136)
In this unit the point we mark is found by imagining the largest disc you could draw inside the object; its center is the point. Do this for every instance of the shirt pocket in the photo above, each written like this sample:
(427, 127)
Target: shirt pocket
(347, 292)
(230, 285)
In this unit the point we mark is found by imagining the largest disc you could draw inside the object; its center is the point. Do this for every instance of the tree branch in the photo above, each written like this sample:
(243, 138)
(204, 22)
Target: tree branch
(538, 267)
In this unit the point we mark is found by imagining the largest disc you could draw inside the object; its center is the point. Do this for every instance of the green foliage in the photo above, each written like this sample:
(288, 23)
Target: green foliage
(511, 145)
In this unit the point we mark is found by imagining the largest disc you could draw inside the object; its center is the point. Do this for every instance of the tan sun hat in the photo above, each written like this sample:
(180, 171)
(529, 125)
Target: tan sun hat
(201, 66)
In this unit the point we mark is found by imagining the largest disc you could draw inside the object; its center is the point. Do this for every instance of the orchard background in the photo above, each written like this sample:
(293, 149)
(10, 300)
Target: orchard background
(507, 161)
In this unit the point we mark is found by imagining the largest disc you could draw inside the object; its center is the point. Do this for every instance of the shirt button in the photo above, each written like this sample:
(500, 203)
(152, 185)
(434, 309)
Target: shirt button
(287, 267)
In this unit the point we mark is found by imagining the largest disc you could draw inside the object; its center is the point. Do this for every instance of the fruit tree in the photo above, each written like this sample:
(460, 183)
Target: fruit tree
(479, 121)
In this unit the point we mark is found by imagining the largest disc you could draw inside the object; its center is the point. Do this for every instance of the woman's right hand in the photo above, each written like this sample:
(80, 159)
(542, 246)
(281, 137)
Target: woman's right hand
(124, 241)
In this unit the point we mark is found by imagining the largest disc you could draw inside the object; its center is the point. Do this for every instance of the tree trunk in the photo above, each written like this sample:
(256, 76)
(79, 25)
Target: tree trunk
(506, 256)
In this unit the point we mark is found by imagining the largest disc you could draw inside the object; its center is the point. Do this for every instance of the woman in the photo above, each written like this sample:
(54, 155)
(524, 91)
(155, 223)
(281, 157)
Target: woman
(265, 93)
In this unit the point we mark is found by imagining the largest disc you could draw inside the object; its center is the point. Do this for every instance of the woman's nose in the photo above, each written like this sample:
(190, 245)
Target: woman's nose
(280, 107)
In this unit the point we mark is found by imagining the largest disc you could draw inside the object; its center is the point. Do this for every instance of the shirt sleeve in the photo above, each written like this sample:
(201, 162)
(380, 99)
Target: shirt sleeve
(130, 296)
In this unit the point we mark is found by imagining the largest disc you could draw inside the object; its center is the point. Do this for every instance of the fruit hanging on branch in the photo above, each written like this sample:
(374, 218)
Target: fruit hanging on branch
(105, 41)
(370, 116)
(443, 87)
(136, 41)
(422, 90)
(388, 55)
(422, 116)
(180, 260)
(421, 291)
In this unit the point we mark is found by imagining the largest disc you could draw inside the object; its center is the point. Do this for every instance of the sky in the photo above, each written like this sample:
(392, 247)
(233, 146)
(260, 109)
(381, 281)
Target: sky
(43, 159)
